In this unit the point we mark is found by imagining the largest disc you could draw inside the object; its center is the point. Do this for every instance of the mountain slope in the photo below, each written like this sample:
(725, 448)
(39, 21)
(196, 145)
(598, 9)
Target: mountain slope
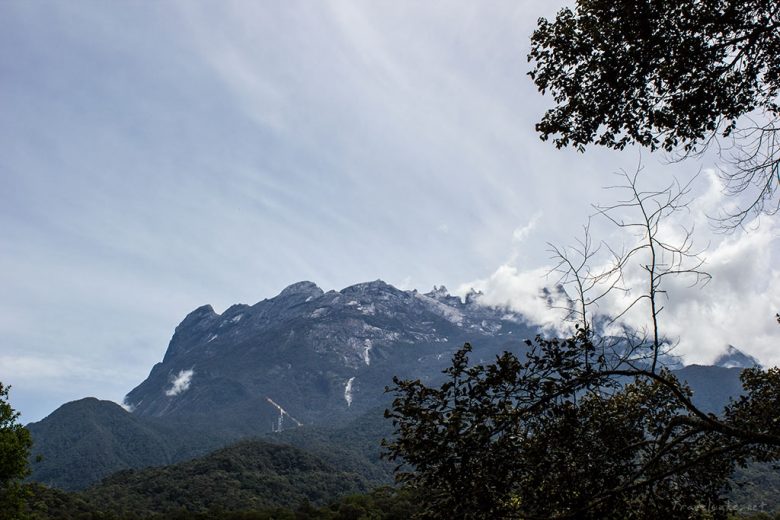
(307, 356)
(100, 435)
(249, 475)
(86, 440)
(713, 386)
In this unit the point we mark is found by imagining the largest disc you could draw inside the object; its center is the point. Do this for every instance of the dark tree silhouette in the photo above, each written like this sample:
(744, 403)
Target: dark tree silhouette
(590, 425)
(15, 443)
(679, 76)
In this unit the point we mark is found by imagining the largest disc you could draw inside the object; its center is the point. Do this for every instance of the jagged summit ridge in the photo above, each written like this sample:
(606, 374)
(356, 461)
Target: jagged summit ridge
(317, 354)
(321, 356)
(305, 288)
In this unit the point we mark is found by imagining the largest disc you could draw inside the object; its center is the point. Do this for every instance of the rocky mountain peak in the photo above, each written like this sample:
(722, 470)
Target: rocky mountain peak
(203, 312)
(735, 358)
(438, 293)
(377, 291)
(304, 288)
(441, 294)
(377, 286)
(472, 297)
(194, 324)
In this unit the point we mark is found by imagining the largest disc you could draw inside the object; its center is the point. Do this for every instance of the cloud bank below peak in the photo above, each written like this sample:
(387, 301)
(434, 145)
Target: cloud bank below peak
(736, 307)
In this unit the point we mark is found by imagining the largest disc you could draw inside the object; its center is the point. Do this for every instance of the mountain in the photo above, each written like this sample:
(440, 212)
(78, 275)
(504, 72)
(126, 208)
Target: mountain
(735, 358)
(304, 357)
(306, 367)
(87, 440)
(311, 357)
(712, 386)
(100, 435)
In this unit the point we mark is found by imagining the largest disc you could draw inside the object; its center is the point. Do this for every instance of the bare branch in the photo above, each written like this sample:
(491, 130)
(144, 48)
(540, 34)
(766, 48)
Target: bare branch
(663, 256)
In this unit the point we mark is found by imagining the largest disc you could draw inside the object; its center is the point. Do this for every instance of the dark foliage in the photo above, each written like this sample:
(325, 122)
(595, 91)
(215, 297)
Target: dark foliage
(669, 75)
(44, 503)
(15, 445)
(380, 504)
(247, 476)
(563, 434)
(354, 447)
(655, 72)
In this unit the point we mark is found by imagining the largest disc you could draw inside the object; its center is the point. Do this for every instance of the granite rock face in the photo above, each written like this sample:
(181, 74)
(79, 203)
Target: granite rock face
(312, 357)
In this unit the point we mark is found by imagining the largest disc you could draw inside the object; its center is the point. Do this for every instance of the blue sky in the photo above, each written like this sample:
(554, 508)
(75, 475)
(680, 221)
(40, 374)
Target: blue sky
(156, 156)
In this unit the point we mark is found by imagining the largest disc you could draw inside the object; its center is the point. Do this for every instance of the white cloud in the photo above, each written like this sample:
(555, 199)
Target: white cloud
(180, 383)
(521, 233)
(737, 307)
(348, 395)
(520, 290)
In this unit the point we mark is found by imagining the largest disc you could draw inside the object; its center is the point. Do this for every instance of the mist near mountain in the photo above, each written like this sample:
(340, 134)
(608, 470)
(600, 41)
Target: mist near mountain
(306, 367)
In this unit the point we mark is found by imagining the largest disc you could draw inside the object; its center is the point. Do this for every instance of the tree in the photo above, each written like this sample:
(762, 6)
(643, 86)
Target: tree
(15, 444)
(590, 425)
(679, 76)
(547, 438)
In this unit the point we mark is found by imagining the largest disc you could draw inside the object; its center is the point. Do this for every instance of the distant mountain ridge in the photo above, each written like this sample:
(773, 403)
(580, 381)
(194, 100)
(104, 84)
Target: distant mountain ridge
(735, 358)
(304, 357)
(313, 356)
